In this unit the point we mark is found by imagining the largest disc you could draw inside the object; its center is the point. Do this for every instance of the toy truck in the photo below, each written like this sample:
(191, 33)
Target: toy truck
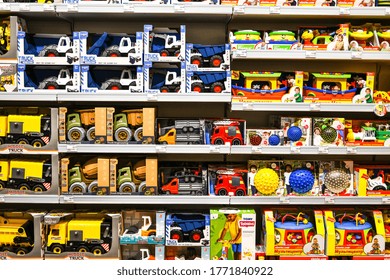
(83, 178)
(183, 228)
(25, 129)
(80, 125)
(25, 175)
(207, 56)
(228, 183)
(142, 255)
(16, 235)
(142, 228)
(169, 81)
(183, 132)
(208, 81)
(81, 235)
(226, 132)
(185, 184)
(128, 123)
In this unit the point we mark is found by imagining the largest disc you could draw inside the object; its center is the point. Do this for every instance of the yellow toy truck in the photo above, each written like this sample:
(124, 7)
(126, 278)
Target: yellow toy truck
(16, 235)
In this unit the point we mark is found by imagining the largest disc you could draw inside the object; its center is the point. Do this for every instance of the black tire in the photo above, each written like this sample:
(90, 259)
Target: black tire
(195, 59)
(37, 143)
(24, 187)
(113, 53)
(380, 188)
(7, 249)
(21, 251)
(83, 249)
(198, 87)
(192, 179)
(177, 89)
(199, 193)
(240, 193)
(51, 85)
(114, 85)
(132, 230)
(22, 141)
(168, 192)
(236, 142)
(219, 141)
(217, 87)
(164, 89)
(177, 234)
(195, 235)
(38, 188)
(164, 53)
(97, 250)
(186, 179)
(222, 192)
(52, 53)
(2, 185)
(215, 61)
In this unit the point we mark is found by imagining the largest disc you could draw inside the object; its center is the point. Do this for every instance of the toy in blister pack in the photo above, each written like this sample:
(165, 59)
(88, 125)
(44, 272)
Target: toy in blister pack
(265, 178)
(264, 137)
(367, 133)
(221, 132)
(227, 180)
(336, 178)
(300, 178)
(373, 180)
(328, 132)
(296, 131)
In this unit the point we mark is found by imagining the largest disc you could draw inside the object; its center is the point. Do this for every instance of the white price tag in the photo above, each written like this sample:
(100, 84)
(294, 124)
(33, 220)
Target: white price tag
(257, 149)
(315, 107)
(72, 8)
(151, 97)
(2, 198)
(284, 200)
(4, 7)
(215, 149)
(274, 10)
(345, 11)
(179, 8)
(69, 199)
(71, 148)
(329, 200)
(247, 106)
(241, 53)
(295, 150)
(128, 8)
(356, 55)
(323, 150)
(386, 200)
(161, 148)
(14, 7)
(239, 10)
(48, 7)
(387, 11)
(310, 54)
(351, 150)
(24, 7)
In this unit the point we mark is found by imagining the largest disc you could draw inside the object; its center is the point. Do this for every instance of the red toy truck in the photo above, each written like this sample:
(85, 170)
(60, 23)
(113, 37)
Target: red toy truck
(226, 131)
(230, 183)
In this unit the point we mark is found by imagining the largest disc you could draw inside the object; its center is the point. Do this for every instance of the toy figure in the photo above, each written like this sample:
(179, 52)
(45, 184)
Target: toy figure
(251, 175)
(286, 175)
(231, 225)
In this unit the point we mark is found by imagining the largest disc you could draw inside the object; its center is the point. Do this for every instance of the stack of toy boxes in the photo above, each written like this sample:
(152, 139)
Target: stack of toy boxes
(208, 68)
(294, 232)
(164, 59)
(108, 175)
(111, 62)
(143, 235)
(367, 133)
(372, 180)
(265, 178)
(233, 234)
(228, 179)
(187, 229)
(106, 125)
(58, 57)
(257, 86)
(21, 235)
(68, 235)
(180, 131)
(351, 232)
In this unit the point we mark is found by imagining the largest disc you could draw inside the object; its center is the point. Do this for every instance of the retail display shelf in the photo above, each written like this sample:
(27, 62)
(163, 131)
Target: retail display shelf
(33, 199)
(17, 96)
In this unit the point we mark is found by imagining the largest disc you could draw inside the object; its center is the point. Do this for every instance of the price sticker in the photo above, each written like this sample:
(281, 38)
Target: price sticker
(284, 200)
(215, 149)
(315, 107)
(71, 148)
(257, 150)
(239, 10)
(345, 11)
(310, 54)
(329, 200)
(274, 10)
(323, 150)
(179, 8)
(356, 55)
(161, 148)
(295, 150)
(241, 53)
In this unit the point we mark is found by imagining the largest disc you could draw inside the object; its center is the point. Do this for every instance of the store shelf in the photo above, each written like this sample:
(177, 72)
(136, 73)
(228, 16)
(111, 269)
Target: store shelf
(302, 107)
(145, 200)
(192, 97)
(33, 199)
(16, 96)
(27, 7)
(108, 96)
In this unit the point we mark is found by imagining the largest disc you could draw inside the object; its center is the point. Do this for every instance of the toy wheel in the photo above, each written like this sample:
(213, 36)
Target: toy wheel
(113, 53)
(192, 179)
(38, 188)
(52, 53)
(2, 185)
(1, 141)
(97, 250)
(177, 235)
(196, 235)
(164, 53)
(199, 192)
(6, 249)
(186, 179)
(114, 86)
(37, 143)
(219, 141)
(57, 249)
(152, 233)
(24, 187)
(123, 134)
(167, 192)
(76, 134)
(217, 87)
(127, 187)
(380, 188)
(236, 142)
(222, 192)
(240, 193)
(132, 230)
(22, 141)
(78, 187)
(197, 60)
(164, 89)
(91, 134)
(138, 134)
(83, 249)
(177, 89)
(177, 53)
(198, 87)
(21, 251)
(142, 187)
(51, 86)
(93, 187)
(215, 61)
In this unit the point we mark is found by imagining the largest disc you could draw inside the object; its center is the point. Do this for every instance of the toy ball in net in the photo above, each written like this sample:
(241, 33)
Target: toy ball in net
(294, 133)
(274, 140)
(266, 181)
(301, 181)
(255, 139)
(329, 134)
(336, 180)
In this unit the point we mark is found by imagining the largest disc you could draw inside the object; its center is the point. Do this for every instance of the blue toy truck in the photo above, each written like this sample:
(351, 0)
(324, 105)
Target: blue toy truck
(207, 55)
(207, 81)
(192, 228)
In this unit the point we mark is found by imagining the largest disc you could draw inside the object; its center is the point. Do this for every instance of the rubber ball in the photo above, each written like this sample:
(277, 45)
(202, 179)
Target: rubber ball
(266, 181)
(274, 140)
(329, 134)
(301, 181)
(294, 133)
(337, 180)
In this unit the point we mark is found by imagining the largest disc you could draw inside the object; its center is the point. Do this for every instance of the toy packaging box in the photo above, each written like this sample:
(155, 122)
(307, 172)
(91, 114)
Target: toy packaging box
(227, 179)
(225, 131)
(281, 40)
(21, 235)
(142, 252)
(90, 175)
(45, 79)
(162, 44)
(48, 48)
(356, 3)
(180, 131)
(386, 221)
(100, 79)
(68, 235)
(351, 232)
(265, 178)
(195, 2)
(111, 49)
(278, 3)
(164, 77)
(246, 40)
(367, 133)
(267, 86)
(183, 179)
(8, 82)
(339, 87)
(372, 180)
(142, 227)
(213, 82)
(264, 137)
(326, 38)
(233, 234)
(183, 253)
(363, 38)
(382, 33)
(102, 125)
(207, 57)
(28, 129)
(328, 132)
(294, 232)
(323, 3)
(240, 2)
(336, 178)
(187, 229)
(296, 130)
(300, 178)
(30, 174)
(10, 26)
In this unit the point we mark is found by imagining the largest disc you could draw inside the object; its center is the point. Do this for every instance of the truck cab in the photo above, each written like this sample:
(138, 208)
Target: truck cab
(226, 133)
(227, 184)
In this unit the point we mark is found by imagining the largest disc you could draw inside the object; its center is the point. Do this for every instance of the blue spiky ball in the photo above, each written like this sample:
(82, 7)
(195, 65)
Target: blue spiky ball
(301, 181)
(294, 133)
(274, 140)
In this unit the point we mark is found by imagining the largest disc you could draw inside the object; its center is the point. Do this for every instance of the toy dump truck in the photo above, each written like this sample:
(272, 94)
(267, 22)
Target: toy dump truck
(16, 235)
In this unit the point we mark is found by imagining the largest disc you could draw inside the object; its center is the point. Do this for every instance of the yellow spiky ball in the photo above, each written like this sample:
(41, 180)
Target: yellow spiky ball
(266, 181)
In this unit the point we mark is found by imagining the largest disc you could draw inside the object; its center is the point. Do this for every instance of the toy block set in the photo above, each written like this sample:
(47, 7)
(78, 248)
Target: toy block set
(8, 80)
(187, 229)
(48, 79)
(227, 180)
(183, 179)
(354, 232)
(28, 129)
(264, 137)
(233, 234)
(328, 132)
(372, 180)
(29, 175)
(294, 232)
(48, 49)
(367, 133)
(164, 77)
(108, 175)
(336, 178)
(324, 38)
(106, 125)
(225, 132)
(68, 235)
(111, 49)
(21, 235)
(267, 86)
(177, 131)
(144, 252)
(143, 227)
(265, 178)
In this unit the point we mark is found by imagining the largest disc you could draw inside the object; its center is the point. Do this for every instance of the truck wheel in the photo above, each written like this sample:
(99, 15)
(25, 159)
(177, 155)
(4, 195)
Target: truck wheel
(57, 249)
(199, 193)
(164, 89)
(219, 141)
(167, 192)
(197, 60)
(6, 249)
(92, 188)
(113, 53)
(127, 187)
(138, 134)
(1, 141)
(132, 230)
(78, 187)
(177, 89)
(177, 235)
(114, 86)
(177, 53)
(192, 179)
(142, 187)
(217, 87)
(164, 53)
(186, 179)
(24, 187)
(122, 134)
(97, 250)
(83, 249)
(2, 185)
(198, 87)
(51, 85)
(215, 61)
(236, 142)
(37, 143)
(38, 188)
(222, 192)
(52, 53)
(380, 188)
(21, 251)
(22, 141)
(195, 235)
(240, 193)
(91, 134)
(76, 134)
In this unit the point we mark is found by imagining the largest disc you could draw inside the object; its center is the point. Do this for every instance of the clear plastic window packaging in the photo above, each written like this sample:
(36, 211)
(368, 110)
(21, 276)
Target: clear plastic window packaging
(48, 79)
(256, 86)
(372, 180)
(213, 82)
(367, 133)
(86, 175)
(336, 178)
(111, 48)
(296, 130)
(144, 252)
(228, 180)
(265, 178)
(183, 179)
(180, 131)
(207, 57)
(225, 131)
(21, 235)
(61, 49)
(383, 34)
(8, 80)
(102, 125)
(264, 137)
(300, 178)
(324, 38)
(81, 235)
(329, 132)
(164, 77)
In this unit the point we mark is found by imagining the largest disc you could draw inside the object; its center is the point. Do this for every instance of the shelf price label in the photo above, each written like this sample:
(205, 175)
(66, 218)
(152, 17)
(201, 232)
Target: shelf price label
(161, 148)
(315, 107)
(71, 148)
(257, 150)
(247, 106)
(179, 8)
(4, 7)
(356, 55)
(241, 53)
(386, 200)
(128, 8)
(14, 7)
(323, 150)
(351, 150)
(310, 54)
(239, 10)
(274, 10)
(215, 149)
(48, 7)
(71, 8)
(151, 96)
(295, 150)
(284, 200)
(387, 11)
(2, 199)
(345, 11)
(329, 200)
(69, 199)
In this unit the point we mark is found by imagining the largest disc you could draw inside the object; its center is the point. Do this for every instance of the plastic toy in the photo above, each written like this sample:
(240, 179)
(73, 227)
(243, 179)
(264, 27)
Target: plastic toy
(301, 181)
(164, 77)
(142, 255)
(353, 229)
(337, 181)
(218, 82)
(266, 181)
(373, 180)
(181, 132)
(246, 39)
(328, 131)
(5, 36)
(336, 178)
(230, 182)
(208, 57)
(16, 235)
(291, 229)
(367, 132)
(280, 40)
(182, 253)
(324, 37)
(264, 137)
(381, 96)
(226, 131)
(383, 33)
(299, 178)
(362, 38)
(8, 80)
(296, 131)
